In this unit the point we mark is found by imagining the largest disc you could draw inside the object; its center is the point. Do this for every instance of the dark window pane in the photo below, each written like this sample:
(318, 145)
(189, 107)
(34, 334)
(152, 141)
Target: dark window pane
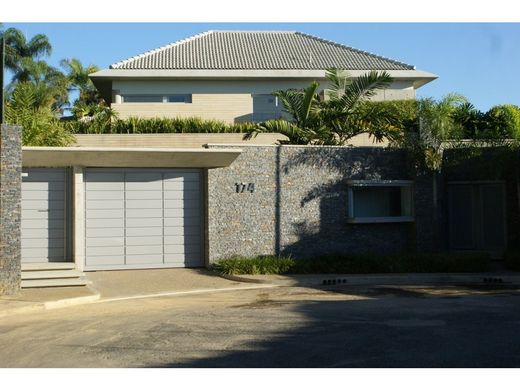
(178, 98)
(142, 99)
(377, 202)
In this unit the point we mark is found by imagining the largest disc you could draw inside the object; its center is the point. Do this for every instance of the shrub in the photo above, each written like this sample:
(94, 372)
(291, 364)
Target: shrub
(357, 263)
(503, 121)
(135, 125)
(238, 265)
(40, 124)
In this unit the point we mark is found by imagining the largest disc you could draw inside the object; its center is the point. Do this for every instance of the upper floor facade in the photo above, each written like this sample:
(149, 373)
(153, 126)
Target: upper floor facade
(231, 75)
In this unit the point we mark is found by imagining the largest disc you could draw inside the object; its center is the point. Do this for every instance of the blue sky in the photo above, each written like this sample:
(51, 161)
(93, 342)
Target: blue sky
(478, 60)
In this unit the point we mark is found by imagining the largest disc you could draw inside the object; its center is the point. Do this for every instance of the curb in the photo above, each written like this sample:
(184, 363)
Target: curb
(378, 279)
(49, 305)
(245, 279)
(96, 298)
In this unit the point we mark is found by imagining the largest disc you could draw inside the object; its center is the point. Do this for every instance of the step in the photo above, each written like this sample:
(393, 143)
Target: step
(48, 266)
(51, 274)
(53, 283)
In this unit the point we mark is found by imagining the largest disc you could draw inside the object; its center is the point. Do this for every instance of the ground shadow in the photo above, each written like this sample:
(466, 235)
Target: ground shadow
(376, 330)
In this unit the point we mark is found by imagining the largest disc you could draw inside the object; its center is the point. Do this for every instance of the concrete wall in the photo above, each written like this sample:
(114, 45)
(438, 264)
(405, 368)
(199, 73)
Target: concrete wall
(299, 205)
(228, 100)
(10, 208)
(184, 140)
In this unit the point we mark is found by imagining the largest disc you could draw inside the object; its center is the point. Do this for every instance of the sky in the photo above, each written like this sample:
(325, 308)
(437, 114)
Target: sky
(478, 60)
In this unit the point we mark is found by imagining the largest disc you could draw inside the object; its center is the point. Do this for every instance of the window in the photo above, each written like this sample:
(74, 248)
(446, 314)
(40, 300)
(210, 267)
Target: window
(380, 201)
(266, 107)
(178, 98)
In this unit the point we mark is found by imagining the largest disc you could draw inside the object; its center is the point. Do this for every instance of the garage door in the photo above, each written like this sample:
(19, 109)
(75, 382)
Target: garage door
(44, 215)
(144, 218)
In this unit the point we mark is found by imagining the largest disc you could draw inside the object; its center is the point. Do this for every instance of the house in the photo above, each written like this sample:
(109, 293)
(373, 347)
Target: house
(231, 75)
(114, 202)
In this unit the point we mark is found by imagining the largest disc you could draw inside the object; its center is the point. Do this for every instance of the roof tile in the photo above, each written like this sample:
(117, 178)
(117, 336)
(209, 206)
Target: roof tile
(250, 50)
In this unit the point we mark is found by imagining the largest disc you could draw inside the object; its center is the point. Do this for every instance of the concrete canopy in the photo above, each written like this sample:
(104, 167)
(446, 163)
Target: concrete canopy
(33, 156)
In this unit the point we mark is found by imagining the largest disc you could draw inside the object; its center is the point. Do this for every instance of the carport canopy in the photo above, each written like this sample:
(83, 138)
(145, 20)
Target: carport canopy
(35, 156)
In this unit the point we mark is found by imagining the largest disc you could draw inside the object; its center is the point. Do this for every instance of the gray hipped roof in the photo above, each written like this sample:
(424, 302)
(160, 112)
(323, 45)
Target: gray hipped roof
(258, 50)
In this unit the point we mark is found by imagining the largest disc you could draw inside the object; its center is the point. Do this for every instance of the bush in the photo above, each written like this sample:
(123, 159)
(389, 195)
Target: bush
(160, 126)
(261, 265)
(503, 121)
(357, 264)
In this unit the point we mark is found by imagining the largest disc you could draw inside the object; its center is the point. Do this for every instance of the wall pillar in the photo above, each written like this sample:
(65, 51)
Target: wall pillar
(10, 208)
(78, 216)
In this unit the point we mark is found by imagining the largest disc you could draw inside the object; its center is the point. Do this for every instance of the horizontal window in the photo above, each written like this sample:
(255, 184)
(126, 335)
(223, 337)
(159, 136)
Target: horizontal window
(380, 201)
(178, 98)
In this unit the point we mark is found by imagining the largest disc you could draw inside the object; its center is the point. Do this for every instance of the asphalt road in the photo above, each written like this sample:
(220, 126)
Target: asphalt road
(276, 327)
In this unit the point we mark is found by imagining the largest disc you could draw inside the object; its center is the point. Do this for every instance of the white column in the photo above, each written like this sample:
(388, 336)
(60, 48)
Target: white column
(79, 218)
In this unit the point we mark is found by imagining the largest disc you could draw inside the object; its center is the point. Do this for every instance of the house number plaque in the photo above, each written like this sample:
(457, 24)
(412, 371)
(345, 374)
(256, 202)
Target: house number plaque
(244, 187)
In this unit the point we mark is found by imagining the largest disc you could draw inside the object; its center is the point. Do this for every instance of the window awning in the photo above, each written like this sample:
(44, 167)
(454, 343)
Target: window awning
(33, 156)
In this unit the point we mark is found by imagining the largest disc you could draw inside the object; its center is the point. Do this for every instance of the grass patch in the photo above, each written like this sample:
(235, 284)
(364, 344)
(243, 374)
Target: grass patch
(356, 264)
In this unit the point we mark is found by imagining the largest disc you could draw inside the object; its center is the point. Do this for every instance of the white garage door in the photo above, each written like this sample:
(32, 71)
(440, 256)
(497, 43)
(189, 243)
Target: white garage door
(44, 215)
(143, 218)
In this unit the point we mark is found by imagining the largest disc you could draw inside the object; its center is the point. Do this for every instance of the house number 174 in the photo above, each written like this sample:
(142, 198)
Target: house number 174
(243, 187)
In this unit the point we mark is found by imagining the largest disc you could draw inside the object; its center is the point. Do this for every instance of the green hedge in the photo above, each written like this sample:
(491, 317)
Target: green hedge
(159, 125)
(357, 264)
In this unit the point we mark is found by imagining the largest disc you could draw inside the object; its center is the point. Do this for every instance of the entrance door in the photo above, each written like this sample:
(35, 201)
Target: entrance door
(477, 217)
(44, 215)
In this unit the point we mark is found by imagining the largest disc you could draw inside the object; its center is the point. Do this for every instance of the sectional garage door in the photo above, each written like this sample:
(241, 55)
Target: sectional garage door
(143, 218)
(44, 215)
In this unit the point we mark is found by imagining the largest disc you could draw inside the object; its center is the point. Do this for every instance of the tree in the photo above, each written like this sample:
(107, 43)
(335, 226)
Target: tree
(503, 121)
(333, 119)
(438, 125)
(40, 124)
(51, 84)
(77, 75)
(17, 48)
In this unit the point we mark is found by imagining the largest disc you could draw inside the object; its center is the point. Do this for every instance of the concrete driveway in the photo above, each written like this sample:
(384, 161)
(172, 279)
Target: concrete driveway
(276, 327)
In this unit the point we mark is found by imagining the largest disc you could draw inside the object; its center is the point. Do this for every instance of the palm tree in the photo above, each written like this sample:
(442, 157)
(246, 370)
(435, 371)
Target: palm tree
(331, 120)
(17, 48)
(51, 84)
(78, 77)
(339, 111)
(438, 125)
(302, 106)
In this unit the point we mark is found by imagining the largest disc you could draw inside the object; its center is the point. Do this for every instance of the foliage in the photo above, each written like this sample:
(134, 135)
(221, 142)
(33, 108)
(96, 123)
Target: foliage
(17, 48)
(357, 263)
(155, 125)
(51, 84)
(77, 75)
(330, 121)
(40, 126)
(437, 126)
(503, 121)
(261, 265)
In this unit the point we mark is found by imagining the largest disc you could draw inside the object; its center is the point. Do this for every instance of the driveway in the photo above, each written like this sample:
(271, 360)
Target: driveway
(276, 327)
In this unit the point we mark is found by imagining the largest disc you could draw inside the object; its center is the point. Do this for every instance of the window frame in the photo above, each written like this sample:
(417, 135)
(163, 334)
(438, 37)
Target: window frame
(351, 184)
(188, 98)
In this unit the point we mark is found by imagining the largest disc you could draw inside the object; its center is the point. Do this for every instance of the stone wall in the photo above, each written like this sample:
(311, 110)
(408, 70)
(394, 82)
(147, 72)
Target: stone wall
(299, 204)
(10, 208)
